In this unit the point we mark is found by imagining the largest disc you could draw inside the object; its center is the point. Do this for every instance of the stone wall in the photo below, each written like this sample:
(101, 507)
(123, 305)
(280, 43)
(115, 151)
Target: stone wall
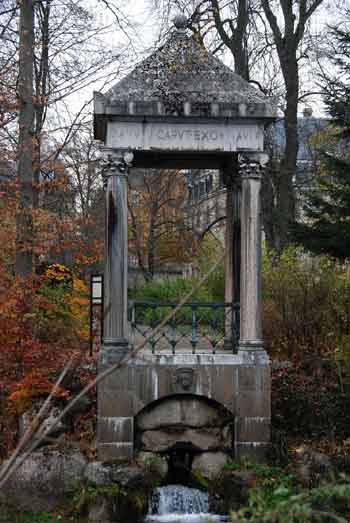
(185, 384)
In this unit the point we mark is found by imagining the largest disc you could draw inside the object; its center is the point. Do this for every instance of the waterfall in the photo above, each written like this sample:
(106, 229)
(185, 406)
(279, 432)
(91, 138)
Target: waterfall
(177, 499)
(181, 504)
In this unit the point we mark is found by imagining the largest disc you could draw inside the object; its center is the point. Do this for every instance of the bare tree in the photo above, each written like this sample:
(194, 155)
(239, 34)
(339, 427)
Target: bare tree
(60, 51)
(70, 55)
(269, 41)
(160, 229)
(288, 38)
(24, 224)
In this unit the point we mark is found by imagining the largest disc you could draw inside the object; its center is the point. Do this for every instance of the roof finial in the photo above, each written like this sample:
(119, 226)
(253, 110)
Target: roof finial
(180, 22)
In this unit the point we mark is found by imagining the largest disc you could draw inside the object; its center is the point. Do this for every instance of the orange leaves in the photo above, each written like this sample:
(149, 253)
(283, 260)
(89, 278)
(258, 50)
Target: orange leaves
(159, 227)
(44, 333)
(58, 273)
(34, 386)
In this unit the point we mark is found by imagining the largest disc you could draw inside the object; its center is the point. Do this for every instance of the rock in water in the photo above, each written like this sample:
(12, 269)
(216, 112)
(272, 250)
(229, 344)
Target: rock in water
(210, 464)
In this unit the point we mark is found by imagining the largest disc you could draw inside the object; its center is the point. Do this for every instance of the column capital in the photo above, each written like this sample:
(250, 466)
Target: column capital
(251, 166)
(115, 163)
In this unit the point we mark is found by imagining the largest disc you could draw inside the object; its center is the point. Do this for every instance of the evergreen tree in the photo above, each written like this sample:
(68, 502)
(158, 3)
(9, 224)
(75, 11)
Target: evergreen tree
(325, 227)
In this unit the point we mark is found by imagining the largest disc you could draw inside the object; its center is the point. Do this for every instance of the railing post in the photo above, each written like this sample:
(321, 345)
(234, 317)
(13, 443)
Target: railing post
(194, 337)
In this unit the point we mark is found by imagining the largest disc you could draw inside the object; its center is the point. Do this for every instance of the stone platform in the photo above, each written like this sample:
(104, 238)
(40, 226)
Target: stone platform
(240, 384)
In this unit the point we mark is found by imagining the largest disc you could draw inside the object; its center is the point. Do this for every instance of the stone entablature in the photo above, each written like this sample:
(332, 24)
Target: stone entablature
(149, 136)
(209, 110)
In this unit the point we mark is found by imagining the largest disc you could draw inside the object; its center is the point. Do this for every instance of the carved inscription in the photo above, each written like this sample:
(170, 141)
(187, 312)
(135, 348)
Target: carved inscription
(147, 136)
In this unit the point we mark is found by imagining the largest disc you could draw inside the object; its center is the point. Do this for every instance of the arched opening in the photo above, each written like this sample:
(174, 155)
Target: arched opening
(184, 428)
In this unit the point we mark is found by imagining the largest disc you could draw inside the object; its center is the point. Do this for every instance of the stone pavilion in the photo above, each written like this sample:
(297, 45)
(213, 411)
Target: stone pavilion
(182, 108)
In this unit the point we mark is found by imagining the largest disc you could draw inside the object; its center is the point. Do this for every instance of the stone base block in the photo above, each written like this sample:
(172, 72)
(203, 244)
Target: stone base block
(115, 429)
(111, 451)
(252, 429)
(254, 452)
(253, 403)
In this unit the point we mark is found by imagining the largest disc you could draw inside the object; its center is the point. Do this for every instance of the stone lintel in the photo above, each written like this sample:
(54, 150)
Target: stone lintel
(218, 359)
(99, 103)
(175, 136)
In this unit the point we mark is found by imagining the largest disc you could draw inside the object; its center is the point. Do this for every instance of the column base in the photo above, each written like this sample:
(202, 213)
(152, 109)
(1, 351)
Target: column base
(251, 345)
(114, 350)
(253, 351)
(111, 451)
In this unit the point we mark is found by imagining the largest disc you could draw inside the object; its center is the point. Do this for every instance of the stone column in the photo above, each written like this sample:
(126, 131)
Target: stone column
(250, 300)
(115, 335)
(229, 269)
(115, 422)
(253, 411)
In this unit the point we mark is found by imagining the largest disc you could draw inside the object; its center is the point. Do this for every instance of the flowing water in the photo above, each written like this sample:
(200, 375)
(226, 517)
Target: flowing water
(181, 504)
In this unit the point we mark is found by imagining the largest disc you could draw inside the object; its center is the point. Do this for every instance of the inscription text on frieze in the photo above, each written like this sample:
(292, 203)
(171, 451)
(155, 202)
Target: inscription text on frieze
(197, 137)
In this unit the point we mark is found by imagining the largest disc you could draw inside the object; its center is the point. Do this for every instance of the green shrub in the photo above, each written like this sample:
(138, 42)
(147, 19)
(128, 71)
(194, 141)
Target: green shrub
(211, 250)
(298, 295)
(341, 357)
(174, 290)
(285, 504)
(306, 299)
(306, 303)
(309, 404)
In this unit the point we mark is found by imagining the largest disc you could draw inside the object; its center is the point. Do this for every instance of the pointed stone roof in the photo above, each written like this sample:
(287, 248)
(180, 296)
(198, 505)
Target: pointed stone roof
(182, 70)
(182, 79)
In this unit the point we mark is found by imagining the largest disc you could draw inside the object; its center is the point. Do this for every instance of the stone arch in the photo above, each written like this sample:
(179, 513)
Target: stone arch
(180, 419)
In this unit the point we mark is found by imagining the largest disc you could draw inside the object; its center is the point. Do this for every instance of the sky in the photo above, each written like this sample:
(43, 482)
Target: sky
(144, 32)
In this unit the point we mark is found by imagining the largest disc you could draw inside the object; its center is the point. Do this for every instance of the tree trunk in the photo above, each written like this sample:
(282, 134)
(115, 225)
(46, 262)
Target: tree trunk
(41, 91)
(267, 207)
(24, 220)
(285, 197)
(151, 247)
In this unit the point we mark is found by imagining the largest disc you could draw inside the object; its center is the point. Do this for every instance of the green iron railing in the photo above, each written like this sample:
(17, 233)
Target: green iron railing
(195, 327)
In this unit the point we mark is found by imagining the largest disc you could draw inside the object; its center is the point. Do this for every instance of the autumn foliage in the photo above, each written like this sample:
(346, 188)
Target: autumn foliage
(160, 227)
(33, 387)
(44, 318)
